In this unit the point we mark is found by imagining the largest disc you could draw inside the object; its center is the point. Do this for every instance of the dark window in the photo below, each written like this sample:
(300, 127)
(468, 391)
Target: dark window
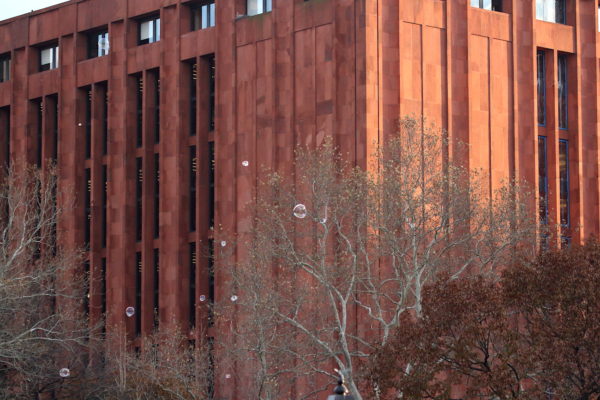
(211, 281)
(103, 286)
(551, 10)
(192, 287)
(54, 104)
(543, 179)
(39, 104)
(563, 114)
(86, 298)
(156, 195)
(211, 87)
(48, 58)
(88, 122)
(203, 15)
(493, 5)
(211, 184)
(104, 203)
(255, 7)
(156, 282)
(5, 136)
(541, 86)
(88, 205)
(157, 108)
(149, 30)
(193, 99)
(4, 68)
(192, 194)
(138, 293)
(138, 198)
(563, 161)
(139, 110)
(98, 44)
(105, 120)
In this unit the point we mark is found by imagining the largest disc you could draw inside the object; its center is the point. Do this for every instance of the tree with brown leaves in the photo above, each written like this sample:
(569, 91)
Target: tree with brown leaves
(533, 335)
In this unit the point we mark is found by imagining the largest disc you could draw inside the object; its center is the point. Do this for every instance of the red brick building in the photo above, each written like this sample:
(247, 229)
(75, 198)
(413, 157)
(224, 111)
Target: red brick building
(124, 92)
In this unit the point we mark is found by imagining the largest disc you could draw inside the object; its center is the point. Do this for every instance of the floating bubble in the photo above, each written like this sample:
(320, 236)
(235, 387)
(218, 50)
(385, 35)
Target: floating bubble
(130, 311)
(202, 298)
(300, 211)
(245, 163)
(234, 298)
(223, 243)
(64, 372)
(227, 376)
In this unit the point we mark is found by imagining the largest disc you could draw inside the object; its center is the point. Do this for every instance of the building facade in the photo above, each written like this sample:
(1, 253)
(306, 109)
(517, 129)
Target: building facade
(162, 114)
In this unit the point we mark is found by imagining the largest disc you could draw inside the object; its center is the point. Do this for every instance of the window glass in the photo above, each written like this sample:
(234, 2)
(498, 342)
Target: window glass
(98, 44)
(255, 7)
(492, 5)
(48, 58)
(563, 122)
(543, 179)
(203, 15)
(149, 30)
(5, 68)
(551, 10)
(563, 164)
(541, 86)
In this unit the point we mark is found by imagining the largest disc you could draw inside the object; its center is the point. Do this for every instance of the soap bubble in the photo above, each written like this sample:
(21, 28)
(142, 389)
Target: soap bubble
(202, 298)
(227, 376)
(300, 211)
(130, 311)
(245, 163)
(234, 298)
(223, 243)
(64, 372)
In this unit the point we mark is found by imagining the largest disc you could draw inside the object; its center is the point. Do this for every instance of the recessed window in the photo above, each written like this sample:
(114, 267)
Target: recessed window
(98, 44)
(492, 5)
(203, 15)
(48, 58)
(563, 120)
(541, 87)
(551, 11)
(543, 179)
(5, 68)
(149, 30)
(255, 7)
(563, 168)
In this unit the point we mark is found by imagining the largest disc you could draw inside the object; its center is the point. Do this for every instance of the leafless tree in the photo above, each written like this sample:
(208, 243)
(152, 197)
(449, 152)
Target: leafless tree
(165, 366)
(42, 326)
(338, 253)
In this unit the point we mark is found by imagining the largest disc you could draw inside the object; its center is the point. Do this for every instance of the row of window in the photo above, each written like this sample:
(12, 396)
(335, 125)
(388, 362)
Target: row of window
(545, 10)
(202, 16)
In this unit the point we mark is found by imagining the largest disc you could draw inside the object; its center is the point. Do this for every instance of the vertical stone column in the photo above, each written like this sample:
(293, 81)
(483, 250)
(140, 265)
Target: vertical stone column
(173, 229)
(121, 182)
(587, 164)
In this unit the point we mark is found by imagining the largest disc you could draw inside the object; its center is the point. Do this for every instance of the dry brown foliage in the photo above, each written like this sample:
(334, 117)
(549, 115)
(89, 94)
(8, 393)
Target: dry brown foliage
(534, 335)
